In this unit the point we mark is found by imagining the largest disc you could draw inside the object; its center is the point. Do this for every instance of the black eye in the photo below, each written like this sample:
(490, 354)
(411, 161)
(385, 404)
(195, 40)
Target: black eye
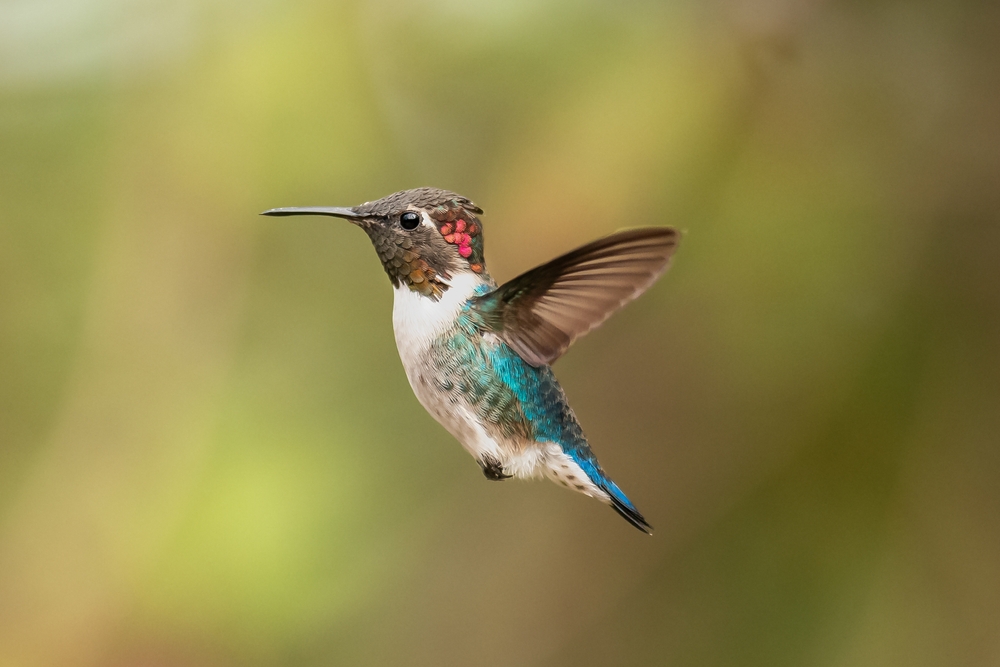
(409, 220)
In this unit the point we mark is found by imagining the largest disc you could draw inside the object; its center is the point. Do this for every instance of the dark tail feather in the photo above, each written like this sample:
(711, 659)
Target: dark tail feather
(630, 514)
(619, 501)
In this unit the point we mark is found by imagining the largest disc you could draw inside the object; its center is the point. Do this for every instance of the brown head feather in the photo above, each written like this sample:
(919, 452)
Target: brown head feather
(423, 258)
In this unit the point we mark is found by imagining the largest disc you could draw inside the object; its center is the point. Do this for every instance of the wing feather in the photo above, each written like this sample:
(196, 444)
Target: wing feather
(541, 312)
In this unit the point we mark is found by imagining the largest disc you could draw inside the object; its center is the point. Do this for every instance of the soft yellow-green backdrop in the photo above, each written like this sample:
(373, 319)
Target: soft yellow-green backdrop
(209, 454)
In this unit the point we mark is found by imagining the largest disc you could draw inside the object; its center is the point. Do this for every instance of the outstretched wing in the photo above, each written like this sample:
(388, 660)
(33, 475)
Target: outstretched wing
(540, 313)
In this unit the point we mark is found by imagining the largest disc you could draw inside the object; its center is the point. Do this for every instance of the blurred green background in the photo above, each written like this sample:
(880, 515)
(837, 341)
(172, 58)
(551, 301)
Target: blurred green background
(209, 454)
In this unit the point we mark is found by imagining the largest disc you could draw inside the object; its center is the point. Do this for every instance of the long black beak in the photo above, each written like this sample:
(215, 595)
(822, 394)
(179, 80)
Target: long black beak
(335, 211)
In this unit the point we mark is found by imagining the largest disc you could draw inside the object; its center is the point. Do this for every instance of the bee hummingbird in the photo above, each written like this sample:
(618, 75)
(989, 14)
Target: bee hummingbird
(478, 356)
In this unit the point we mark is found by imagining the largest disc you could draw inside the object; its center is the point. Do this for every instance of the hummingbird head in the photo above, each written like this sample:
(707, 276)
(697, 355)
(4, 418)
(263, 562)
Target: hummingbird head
(423, 236)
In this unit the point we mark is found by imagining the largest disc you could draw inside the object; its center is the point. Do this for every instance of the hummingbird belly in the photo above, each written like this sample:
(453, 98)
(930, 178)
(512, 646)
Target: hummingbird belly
(497, 406)
(443, 357)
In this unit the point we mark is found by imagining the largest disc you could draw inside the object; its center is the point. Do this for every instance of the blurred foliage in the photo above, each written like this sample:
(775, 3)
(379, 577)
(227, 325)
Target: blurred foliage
(209, 454)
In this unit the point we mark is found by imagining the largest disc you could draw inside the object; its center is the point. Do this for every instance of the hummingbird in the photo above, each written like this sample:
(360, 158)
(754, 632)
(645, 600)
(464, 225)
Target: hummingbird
(478, 355)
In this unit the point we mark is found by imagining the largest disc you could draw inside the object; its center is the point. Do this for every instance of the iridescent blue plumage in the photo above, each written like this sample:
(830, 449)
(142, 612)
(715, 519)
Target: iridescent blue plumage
(515, 400)
(544, 404)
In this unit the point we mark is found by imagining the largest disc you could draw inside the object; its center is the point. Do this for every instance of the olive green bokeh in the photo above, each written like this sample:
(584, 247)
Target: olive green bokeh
(209, 454)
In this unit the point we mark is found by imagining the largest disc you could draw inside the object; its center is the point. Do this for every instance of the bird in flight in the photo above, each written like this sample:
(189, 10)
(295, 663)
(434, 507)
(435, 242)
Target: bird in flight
(478, 356)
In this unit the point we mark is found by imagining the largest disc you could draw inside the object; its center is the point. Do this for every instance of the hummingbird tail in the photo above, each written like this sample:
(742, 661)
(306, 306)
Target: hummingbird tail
(626, 509)
(619, 502)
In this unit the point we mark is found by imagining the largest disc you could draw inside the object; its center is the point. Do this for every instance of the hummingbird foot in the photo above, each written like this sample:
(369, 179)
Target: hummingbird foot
(493, 470)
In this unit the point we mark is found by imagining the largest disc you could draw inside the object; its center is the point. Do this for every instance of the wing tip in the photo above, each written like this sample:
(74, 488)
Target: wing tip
(648, 231)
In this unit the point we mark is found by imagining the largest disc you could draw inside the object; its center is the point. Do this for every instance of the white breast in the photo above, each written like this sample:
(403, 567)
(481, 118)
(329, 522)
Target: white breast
(417, 321)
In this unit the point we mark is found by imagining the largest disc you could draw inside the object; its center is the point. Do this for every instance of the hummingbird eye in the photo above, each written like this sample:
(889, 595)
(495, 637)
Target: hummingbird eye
(409, 220)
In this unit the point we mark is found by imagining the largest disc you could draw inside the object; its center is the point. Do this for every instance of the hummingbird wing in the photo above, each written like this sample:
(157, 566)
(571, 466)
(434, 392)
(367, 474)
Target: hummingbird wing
(541, 312)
